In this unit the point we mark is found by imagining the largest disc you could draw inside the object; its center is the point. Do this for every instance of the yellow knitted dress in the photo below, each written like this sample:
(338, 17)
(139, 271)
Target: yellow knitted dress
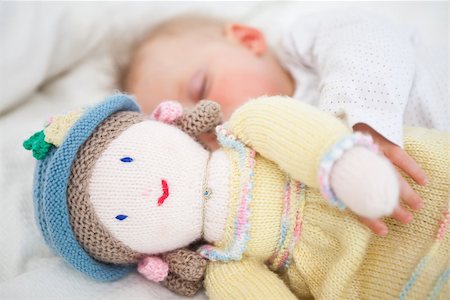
(283, 240)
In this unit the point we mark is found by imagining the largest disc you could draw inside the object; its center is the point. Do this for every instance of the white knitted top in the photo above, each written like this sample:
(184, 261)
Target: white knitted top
(364, 68)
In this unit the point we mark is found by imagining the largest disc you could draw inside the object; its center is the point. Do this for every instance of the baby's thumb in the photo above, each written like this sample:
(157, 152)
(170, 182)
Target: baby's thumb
(366, 183)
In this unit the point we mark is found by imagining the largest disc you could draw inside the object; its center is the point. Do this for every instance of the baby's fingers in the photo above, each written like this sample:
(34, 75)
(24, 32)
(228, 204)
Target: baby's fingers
(408, 195)
(380, 228)
(405, 162)
(376, 225)
(402, 215)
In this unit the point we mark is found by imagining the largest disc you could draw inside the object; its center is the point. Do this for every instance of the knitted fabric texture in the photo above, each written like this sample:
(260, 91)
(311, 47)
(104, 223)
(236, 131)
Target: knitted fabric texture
(332, 156)
(50, 191)
(188, 265)
(58, 127)
(153, 268)
(37, 144)
(89, 231)
(293, 205)
(186, 271)
(205, 117)
(181, 286)
(55, 131)
(168, 112)
(336, 257)
(241, 231)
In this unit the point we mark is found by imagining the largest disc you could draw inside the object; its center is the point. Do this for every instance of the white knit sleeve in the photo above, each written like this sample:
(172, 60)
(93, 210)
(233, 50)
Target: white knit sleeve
(365, 66)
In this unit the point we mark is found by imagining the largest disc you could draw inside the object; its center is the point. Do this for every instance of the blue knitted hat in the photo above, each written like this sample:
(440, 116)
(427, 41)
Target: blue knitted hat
(55, 153)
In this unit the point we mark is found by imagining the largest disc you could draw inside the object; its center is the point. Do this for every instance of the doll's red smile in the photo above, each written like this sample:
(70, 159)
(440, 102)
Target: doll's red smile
(165, 192)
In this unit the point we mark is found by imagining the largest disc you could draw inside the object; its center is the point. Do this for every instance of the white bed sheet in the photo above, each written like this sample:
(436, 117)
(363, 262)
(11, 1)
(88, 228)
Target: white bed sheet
(57, 56)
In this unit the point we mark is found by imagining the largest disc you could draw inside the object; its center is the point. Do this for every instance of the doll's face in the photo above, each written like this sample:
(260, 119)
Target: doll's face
(146, 187)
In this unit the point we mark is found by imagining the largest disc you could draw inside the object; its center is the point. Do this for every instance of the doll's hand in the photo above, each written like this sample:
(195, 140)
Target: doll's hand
(366, 183)
(402, 160)
(187, 264)
(186, 271)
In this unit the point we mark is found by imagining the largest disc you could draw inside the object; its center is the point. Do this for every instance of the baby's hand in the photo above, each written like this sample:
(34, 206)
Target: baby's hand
(402, 160)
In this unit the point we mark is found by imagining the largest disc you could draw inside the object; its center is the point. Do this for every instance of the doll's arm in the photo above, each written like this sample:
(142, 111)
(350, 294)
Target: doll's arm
(245, 279)
(291, 133)
(302, 140)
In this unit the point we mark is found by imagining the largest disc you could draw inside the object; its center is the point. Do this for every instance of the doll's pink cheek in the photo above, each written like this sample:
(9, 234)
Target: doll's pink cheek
(146, 192)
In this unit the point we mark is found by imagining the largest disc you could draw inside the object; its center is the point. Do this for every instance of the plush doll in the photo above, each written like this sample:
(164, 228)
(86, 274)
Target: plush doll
(276, 205)
(180, 270)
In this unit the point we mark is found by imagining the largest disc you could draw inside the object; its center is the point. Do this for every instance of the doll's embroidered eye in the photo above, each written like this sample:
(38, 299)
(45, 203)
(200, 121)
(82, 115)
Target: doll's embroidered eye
(126, 159)
(121, 217)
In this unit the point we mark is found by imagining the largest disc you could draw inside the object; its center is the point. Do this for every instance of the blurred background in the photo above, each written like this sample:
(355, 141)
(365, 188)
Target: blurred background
(47, 41)
(55, 56)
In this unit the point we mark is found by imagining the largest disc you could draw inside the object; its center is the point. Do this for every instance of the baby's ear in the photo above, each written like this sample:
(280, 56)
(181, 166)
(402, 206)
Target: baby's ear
(247, 36)
(168, 112)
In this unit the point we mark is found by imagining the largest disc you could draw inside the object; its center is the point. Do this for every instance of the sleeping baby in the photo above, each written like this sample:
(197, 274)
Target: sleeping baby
(361, 68)
(282, 203)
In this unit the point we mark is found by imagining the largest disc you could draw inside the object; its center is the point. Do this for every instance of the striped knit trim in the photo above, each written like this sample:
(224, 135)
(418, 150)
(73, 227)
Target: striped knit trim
(241, 224)
(443, 278)
(332, 156)
(292, 210)
(424, 261)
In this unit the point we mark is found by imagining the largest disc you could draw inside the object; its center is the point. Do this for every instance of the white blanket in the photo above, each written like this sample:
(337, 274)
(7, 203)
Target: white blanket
(58, 56)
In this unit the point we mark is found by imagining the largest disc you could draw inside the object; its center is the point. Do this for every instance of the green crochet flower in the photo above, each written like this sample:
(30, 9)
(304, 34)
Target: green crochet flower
(38, 145)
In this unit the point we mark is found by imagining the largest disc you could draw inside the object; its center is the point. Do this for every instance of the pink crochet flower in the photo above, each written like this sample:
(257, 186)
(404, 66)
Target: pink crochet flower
(153, 268)
(168, 111)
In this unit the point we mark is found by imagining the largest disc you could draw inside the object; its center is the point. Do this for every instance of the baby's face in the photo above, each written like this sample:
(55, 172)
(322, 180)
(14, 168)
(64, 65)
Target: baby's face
(188, 69)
